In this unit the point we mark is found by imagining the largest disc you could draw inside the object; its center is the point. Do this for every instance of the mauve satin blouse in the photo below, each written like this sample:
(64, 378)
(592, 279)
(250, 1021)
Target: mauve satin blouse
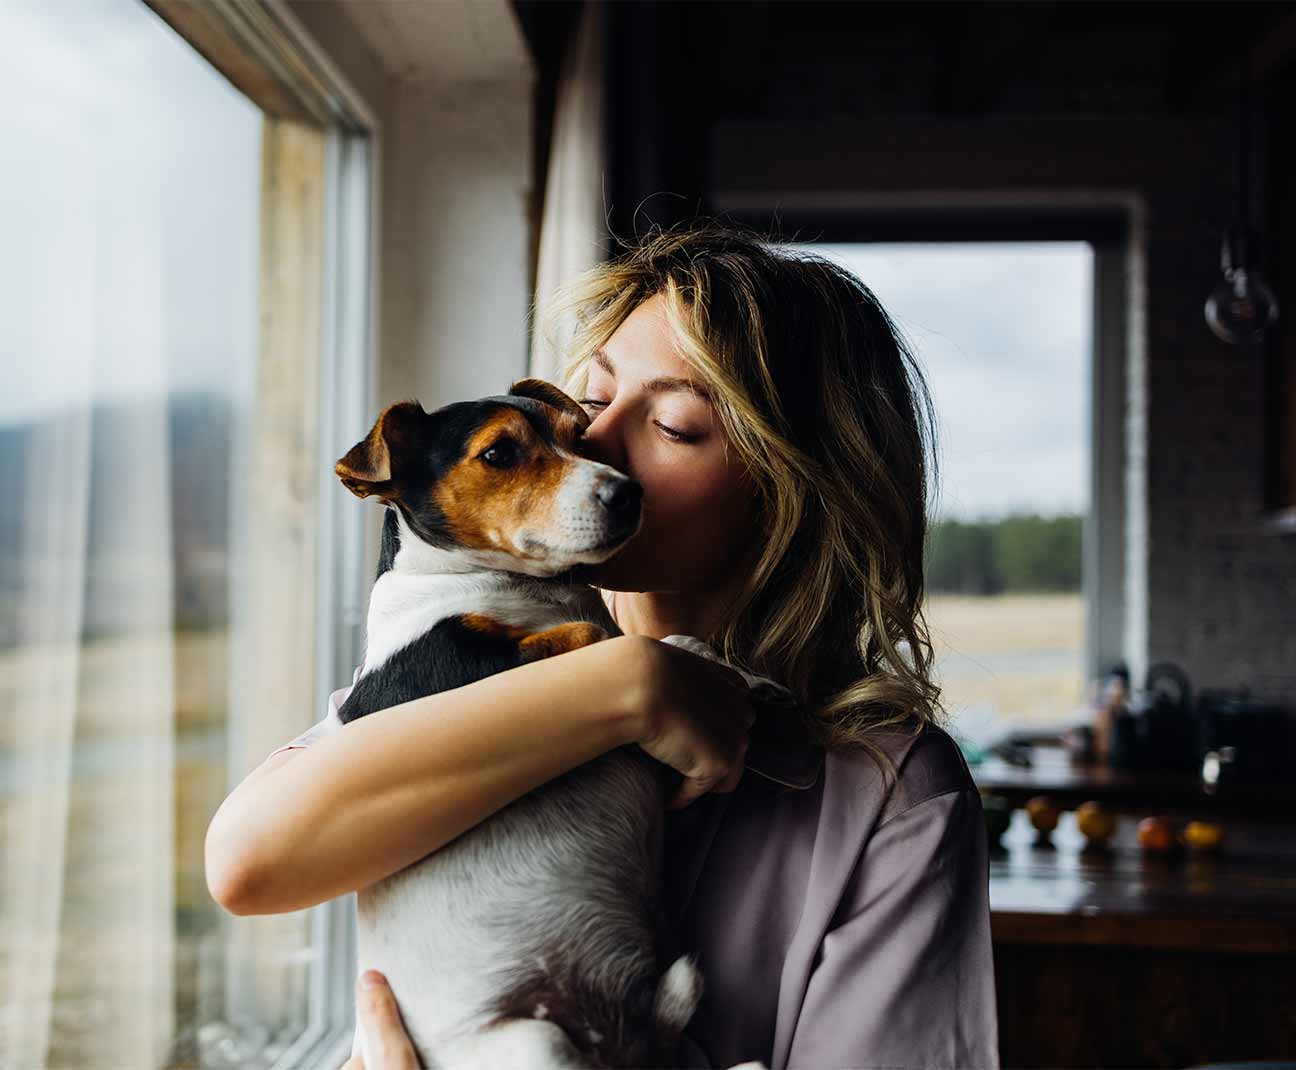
(841, 919)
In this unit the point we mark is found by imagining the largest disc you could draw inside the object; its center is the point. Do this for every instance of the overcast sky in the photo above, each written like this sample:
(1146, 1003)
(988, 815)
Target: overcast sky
(1002, 332)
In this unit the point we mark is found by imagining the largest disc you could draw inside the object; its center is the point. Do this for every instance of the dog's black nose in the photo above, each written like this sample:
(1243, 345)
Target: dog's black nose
(620, 497)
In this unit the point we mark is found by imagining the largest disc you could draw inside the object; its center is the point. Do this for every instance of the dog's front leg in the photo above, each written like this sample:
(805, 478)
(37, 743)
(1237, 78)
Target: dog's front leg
(559, 640)
(535, 646)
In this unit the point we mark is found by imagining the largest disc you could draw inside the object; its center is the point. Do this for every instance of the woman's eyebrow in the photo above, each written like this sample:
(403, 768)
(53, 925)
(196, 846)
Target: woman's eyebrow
(661, 385)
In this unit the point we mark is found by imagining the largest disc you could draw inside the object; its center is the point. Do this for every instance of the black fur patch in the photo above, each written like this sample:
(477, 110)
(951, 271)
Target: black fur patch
(390, 541)
(448, 656)
(608, 1032)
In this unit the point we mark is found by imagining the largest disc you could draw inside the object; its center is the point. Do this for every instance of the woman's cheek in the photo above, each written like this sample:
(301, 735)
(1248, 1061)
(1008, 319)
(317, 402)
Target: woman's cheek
(679, 498)
(701, 507)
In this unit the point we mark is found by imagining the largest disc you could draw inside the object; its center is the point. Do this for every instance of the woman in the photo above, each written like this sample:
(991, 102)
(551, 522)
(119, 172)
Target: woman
(377, 1013)
(831, 868)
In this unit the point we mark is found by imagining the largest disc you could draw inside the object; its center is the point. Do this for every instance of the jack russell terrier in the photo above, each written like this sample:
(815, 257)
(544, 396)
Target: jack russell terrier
(529, 942)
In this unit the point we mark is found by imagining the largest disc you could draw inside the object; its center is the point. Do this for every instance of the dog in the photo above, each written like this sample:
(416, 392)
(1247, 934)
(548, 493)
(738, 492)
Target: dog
(530, 940)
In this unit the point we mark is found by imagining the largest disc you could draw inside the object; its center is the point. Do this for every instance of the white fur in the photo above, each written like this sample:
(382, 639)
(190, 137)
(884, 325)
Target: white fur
(426, 584)
(680, 991)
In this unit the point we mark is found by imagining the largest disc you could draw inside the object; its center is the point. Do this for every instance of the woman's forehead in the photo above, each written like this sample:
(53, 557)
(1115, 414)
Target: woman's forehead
(644, 350)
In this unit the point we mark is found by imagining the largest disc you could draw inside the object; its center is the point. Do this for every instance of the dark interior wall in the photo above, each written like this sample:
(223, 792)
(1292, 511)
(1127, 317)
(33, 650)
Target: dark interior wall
(676, 70)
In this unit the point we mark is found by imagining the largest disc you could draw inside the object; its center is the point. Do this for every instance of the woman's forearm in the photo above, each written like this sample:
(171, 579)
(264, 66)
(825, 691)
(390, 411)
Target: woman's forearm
(395, 786)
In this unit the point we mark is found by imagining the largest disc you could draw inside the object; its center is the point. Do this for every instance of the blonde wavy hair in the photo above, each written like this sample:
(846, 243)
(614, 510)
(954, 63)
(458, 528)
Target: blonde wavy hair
(820, 396)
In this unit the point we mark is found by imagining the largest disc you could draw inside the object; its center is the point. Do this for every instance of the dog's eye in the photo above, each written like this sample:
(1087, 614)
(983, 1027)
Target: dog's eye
(501, 454)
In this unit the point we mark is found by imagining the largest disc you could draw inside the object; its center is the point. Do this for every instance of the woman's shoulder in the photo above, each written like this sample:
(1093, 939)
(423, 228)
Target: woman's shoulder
(926, 761)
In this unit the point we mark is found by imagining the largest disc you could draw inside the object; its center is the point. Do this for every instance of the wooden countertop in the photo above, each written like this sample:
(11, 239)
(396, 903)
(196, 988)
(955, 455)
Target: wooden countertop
(1242, 899)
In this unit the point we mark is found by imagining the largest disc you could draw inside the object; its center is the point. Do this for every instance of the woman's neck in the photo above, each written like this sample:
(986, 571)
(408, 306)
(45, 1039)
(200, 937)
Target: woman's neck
(658, 614)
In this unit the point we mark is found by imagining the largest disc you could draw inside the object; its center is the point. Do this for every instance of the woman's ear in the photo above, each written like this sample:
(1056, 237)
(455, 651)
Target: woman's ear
(551, 395)
(372, 466)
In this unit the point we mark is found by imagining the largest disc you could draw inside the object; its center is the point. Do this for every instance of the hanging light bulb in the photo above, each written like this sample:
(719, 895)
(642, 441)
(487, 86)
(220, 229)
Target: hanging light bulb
(1243, 307)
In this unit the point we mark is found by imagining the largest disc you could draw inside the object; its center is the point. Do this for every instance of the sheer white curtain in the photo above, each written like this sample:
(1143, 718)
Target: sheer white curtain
(157, 590)
(89, 645)
(573, 229)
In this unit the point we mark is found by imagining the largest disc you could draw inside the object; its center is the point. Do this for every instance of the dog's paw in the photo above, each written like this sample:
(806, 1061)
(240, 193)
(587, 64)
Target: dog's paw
(678, 993)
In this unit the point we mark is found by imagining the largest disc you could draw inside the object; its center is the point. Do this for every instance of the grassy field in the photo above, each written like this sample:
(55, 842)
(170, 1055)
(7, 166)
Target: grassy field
(1009, 659)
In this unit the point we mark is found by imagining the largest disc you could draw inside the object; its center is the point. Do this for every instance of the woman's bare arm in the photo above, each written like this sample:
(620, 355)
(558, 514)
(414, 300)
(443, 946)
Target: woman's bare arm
(357, 805)
(308, 825)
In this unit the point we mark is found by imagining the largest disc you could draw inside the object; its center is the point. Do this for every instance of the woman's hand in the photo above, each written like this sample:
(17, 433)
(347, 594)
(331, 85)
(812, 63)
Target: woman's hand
(379, 1018)
(696, 714)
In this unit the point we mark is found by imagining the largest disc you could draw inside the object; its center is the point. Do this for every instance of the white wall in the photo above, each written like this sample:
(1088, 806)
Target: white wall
(456, 239)
(450, 85)
(455, 170)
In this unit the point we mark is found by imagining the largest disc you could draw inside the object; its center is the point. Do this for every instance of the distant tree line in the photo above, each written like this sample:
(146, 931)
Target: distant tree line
(1022, 552)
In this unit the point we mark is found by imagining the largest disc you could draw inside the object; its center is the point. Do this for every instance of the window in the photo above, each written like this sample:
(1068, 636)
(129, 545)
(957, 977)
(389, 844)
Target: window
(1003, 333)
(185, 336)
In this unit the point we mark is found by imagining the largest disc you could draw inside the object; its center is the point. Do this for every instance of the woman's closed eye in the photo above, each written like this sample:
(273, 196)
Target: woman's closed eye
(674, 434)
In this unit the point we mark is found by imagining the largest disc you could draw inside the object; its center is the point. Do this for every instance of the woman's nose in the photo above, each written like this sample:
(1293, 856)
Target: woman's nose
(601, 443)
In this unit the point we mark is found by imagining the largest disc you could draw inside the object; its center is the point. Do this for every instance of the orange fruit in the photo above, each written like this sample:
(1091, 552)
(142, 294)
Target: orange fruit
(1096, 823)
(1156, 834)
(1203, 835)
(1043, 814)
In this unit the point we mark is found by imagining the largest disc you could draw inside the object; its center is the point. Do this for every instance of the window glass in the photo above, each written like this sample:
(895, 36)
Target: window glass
(130, 172)
(1002, 332)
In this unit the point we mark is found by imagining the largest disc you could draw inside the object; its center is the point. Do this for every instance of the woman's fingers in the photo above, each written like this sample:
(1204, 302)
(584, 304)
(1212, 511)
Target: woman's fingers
(694, 787)
(387, 1042)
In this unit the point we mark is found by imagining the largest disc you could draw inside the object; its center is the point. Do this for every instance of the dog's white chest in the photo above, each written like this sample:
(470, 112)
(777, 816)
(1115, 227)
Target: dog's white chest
(406, 605)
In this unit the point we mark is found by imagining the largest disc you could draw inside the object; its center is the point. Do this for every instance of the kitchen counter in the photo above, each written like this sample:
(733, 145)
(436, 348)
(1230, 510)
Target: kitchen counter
(1241, 899)
(1122, 958)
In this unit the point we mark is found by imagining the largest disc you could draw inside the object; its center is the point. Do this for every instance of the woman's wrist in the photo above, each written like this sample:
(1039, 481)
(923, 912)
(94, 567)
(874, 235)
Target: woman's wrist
(630, 664)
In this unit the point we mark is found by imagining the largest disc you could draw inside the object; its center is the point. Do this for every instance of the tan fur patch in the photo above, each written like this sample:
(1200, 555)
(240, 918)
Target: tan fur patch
(561, 639)
(367, 467)
(479, 622)
(487, 507)
(534, 647)
(569, 420)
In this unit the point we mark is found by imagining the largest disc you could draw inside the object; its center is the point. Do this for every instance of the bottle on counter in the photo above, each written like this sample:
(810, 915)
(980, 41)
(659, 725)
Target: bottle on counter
(1111, 700)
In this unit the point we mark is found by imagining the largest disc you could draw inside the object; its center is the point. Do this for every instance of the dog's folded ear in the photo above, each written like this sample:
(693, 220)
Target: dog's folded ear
(551, 395)
(368, 466)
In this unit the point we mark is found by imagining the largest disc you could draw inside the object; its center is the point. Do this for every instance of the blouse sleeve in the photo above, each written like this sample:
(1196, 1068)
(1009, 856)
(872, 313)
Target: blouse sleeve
(331, 722)
(904, 976)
